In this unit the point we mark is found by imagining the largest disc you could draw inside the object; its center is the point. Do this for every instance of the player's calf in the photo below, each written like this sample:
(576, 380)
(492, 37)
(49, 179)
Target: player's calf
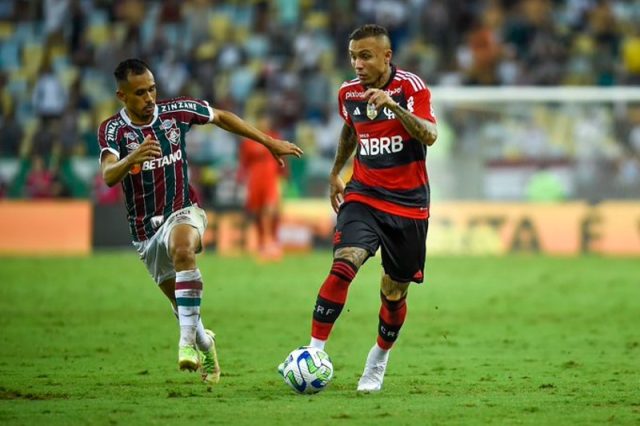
(332, 297)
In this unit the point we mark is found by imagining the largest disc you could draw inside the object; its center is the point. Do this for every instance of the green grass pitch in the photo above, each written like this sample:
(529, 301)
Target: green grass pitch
(511, 340)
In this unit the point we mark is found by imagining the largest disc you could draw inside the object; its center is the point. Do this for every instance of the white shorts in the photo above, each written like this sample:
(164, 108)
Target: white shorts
(154, 252)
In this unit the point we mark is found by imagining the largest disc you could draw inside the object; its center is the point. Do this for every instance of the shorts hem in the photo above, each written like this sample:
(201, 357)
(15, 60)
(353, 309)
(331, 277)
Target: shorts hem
(164, 278)
(362, 246)
(410, 280)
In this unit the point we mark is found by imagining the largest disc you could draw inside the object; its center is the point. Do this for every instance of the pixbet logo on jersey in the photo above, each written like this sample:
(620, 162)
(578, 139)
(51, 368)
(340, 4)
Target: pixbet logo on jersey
(380, 146)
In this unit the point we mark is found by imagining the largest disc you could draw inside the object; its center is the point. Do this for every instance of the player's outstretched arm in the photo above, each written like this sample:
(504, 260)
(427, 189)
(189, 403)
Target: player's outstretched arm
(423, 130)
(346, 147)
(234, 124)
(114, 170)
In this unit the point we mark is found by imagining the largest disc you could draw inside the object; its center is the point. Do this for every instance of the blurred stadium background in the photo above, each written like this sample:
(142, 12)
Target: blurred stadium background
(538, 105)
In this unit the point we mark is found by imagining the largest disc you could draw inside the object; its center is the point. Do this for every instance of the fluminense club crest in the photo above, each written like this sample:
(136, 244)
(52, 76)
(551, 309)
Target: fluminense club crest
(171, 130)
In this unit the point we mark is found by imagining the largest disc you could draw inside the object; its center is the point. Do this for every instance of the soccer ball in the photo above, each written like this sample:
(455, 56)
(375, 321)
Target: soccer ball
(307, 370)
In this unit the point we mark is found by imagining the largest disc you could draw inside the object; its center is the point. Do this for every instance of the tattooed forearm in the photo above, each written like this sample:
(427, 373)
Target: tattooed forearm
(423, 130)
(346, 146)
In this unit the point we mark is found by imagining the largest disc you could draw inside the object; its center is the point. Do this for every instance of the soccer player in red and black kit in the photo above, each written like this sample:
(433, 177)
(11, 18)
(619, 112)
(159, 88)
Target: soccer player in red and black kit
(143, 148)
(389, 123)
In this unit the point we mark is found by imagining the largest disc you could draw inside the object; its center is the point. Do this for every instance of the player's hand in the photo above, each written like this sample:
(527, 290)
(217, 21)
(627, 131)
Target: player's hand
(336, 191)
(379, 99)
(280, 148)
(149, 149)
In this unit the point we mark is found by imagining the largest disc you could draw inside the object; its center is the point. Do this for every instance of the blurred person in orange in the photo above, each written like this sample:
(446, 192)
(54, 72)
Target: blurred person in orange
(262, 178)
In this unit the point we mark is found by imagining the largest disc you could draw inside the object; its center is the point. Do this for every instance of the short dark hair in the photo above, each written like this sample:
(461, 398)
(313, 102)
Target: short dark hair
(130, 66)
(369, 30)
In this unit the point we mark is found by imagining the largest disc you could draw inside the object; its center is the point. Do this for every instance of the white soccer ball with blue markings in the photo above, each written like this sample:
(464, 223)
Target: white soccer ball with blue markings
(307, 370)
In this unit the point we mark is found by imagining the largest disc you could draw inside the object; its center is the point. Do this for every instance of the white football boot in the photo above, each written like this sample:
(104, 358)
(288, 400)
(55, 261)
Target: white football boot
(374, 368)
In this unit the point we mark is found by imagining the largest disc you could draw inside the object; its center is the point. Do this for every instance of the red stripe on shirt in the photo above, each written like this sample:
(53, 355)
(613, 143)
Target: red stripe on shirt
(178, 201)
(406, 176)
(138, 200)
(387, 207)
(160, 193)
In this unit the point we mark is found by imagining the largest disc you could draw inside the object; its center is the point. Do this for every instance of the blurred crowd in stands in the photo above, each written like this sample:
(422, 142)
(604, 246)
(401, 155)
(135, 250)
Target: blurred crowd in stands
(287, 57)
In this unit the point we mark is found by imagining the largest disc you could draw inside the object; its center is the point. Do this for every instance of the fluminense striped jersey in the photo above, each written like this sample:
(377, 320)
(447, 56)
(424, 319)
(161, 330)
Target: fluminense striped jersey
(162, 186)
(389, 172)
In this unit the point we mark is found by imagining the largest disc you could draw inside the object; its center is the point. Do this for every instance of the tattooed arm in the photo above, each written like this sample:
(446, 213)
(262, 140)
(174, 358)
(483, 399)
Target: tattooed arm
(423, 130)
(346, 147)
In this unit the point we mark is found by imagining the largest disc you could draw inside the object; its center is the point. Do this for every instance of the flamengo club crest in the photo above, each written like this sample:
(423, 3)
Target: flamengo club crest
(171, 131)
(371, 111)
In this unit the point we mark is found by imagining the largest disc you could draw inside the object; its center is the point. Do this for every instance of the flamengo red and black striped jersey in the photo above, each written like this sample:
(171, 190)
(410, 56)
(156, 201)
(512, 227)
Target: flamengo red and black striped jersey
(389, 171)
(162, 187)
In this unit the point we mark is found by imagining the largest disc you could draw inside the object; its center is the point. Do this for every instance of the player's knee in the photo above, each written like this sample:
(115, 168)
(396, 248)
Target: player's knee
(355, 255)
(393, 290)
(183, 256)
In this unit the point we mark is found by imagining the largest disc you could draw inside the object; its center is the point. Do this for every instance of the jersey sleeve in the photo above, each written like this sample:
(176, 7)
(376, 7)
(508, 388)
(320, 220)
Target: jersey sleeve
(108, 139)
(343, 109)
(191, 111)
(419, 99)
(204, 112)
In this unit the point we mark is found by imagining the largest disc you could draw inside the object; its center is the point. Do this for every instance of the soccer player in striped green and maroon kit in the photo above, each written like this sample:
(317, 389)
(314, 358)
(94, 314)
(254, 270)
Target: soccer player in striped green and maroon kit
(143, 148)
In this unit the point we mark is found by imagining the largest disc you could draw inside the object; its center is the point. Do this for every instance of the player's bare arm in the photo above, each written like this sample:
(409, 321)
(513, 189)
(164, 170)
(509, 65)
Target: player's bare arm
(346, 147)
(114, 170)
(232, 123)
(423, 130)
(355, 255)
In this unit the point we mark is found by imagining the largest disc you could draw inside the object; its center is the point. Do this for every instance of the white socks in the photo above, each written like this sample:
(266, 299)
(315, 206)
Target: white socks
(317, 343)
(188, 298)
(377, 354)
(202, 339)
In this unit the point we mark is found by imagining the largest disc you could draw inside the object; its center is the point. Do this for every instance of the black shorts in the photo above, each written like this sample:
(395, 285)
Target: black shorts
(403, 240)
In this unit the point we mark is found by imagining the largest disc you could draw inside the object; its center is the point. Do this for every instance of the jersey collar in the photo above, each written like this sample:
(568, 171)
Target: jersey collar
(125, 117)
(391, 77)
